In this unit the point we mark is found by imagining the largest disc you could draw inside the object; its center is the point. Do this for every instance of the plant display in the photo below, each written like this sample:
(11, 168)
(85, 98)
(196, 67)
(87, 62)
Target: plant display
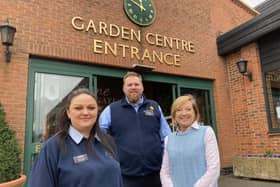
(268, 152)
(10, 162)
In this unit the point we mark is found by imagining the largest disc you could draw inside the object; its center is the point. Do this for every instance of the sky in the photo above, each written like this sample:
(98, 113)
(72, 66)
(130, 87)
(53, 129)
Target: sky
(253, 3)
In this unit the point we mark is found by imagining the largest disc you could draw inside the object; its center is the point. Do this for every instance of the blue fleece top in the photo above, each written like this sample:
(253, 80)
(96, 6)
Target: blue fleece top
(137, 131)
(77, 168)
(105, 119)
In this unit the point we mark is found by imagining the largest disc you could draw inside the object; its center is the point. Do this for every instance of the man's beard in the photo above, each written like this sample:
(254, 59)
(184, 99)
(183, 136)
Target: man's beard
(133, 98)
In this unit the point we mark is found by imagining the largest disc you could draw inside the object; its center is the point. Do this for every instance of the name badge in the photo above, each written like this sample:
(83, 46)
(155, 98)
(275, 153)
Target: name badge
(148, 112)
(80, 158)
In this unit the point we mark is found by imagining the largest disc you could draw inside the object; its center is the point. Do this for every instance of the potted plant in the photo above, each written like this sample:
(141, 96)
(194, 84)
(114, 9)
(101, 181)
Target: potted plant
(10, 165)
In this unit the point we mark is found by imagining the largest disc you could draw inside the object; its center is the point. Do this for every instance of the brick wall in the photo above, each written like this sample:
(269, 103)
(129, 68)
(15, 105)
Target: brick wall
(248, 105)
(44, 29)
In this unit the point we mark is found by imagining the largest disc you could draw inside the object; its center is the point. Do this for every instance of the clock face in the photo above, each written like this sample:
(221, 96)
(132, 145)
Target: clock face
(140, 12)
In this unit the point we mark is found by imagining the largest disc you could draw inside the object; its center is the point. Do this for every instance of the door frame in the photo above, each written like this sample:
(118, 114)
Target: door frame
(38, 65)
(186, 82)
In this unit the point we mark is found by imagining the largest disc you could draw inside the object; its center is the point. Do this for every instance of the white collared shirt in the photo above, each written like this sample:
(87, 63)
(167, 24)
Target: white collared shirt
(76, 136)
(212, 160)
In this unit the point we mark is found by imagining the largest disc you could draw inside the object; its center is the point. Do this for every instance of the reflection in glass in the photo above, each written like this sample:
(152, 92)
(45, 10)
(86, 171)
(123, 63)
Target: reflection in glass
(49, 92)
(273, 93)
(161, 93)
(109, 89)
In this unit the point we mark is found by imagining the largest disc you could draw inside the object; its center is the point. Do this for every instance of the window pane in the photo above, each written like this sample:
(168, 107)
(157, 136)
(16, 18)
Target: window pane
(161, 93)
(109, 89)
(49, 92)
(273, 94)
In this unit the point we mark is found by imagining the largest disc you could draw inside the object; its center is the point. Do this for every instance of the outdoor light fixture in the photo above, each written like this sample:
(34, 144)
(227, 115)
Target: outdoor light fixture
(142, 67)
(242, 67)
(7, 37)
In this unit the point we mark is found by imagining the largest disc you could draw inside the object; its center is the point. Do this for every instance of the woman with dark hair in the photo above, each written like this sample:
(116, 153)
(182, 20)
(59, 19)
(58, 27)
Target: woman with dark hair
(80, 154)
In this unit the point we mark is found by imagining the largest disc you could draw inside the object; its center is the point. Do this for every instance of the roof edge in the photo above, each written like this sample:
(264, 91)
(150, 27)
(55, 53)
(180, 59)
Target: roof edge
(248, 32)
(244, 5)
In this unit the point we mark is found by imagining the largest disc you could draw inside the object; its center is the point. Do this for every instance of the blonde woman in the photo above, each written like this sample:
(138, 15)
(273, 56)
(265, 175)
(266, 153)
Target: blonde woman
(191, 155)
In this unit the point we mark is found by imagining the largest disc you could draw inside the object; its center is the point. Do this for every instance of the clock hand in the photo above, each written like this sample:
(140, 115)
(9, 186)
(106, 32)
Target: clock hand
(140, 6)
(135, 3)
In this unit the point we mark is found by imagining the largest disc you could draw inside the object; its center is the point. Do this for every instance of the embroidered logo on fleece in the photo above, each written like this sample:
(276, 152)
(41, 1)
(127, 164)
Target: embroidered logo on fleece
(149, 111)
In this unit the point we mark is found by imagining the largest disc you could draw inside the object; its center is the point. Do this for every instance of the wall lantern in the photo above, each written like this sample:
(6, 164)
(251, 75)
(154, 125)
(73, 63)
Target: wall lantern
(242, 67)
(7, 37)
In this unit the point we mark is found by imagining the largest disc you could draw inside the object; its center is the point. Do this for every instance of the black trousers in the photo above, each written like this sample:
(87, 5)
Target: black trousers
(151, 180)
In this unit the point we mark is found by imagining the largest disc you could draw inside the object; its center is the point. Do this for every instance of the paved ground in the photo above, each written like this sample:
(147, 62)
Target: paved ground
(232, 181)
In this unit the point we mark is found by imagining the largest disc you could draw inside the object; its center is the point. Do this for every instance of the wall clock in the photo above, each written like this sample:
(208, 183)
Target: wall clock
(140, 12)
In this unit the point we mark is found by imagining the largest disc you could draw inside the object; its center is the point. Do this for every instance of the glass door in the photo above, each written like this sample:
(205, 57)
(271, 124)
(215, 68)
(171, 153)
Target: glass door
(50, 82)
(48, 87)
(50, 91)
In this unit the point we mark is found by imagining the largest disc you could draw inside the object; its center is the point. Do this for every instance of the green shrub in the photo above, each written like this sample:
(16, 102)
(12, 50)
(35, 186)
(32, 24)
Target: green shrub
(10, 163)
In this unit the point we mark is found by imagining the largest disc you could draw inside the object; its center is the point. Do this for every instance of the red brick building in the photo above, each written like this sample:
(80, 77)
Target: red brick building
(60, 45)
(255, 104)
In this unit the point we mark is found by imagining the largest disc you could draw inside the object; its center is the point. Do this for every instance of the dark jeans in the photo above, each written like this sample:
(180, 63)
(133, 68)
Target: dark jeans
(151, 180)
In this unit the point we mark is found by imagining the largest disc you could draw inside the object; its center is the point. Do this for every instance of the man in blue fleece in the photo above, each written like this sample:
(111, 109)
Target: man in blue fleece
(138, 127)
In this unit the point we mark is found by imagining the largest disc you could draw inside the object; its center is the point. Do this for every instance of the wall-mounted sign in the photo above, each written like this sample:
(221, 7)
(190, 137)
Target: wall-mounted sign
(140, 12)
(166, 51)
